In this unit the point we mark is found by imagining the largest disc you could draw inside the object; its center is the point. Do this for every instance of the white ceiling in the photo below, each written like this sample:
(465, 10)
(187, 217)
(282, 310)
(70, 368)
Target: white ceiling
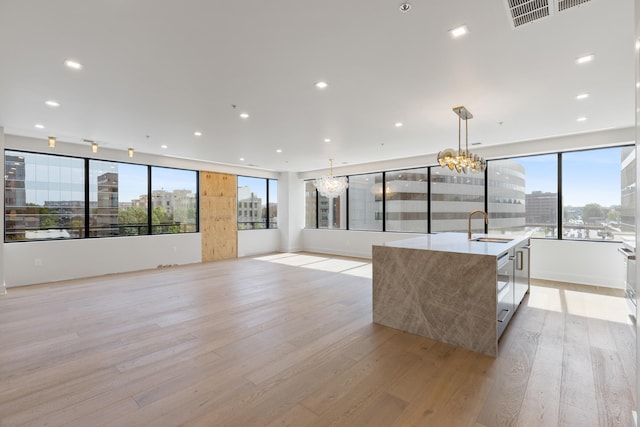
(168, 68)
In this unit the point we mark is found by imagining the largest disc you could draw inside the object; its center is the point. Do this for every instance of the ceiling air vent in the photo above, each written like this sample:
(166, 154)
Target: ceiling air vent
(526, 11)
(566, 4)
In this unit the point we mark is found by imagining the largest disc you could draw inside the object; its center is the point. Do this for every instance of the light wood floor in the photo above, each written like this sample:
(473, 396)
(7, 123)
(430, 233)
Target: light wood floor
(287, 339)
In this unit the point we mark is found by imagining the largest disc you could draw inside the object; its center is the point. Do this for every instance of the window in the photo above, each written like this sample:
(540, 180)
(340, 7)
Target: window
(257, 203)
(365, 202)
(272, 208)
(174, 200)
(58, 197)
(310, 205)
(523, 196)
(44, 197)
(332, 212)
(117, 199)
(592, 193)
(407, 198)
(453, 196)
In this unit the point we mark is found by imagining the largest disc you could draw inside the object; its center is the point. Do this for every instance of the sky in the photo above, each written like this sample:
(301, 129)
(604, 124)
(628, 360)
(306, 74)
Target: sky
(590, 176)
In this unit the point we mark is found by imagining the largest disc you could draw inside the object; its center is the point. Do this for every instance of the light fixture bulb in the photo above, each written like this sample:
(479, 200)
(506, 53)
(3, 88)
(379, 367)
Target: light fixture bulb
(94, 147)
(322, 85)
(73, 64)
(130, 152)
(52, 103)
(51, 141)
(459, 31)
(585, 59)
(244, 115)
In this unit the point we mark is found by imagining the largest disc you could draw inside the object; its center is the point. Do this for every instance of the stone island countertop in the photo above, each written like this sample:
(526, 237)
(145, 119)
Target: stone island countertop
(441, 286)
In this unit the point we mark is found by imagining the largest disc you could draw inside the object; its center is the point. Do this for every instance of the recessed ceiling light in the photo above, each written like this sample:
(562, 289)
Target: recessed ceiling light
(197, 133)
(398, 124)
(582, 96)
(52, 103)
(73, 64)
(38, 126)
(242, 159)
(459, 31)
(327, 140)
(638, 85)
(164, 146)
(581, 119)
(244, 115)
(585, 59)
(278, 151)
(322, 85)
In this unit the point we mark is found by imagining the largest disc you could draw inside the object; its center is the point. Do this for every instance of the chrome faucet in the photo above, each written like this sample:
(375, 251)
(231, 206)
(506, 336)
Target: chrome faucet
(486, 220)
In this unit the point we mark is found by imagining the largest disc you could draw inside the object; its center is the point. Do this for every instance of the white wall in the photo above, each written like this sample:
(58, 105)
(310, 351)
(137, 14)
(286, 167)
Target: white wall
(257, 242)
(49, 261)
(347, 243)
(589, 263)
(290, 211)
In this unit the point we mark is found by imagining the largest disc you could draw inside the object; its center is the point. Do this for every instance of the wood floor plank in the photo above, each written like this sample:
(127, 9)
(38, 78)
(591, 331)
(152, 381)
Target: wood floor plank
(287, 339)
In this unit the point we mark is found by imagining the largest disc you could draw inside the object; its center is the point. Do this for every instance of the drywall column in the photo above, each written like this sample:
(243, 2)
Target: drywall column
(3, 288)
(290, 211)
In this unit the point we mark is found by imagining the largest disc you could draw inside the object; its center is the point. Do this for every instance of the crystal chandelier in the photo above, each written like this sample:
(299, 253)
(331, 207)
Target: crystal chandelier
(331, 186)
(463, 161)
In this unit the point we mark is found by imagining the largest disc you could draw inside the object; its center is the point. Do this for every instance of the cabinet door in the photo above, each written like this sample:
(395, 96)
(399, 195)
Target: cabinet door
(521, 271)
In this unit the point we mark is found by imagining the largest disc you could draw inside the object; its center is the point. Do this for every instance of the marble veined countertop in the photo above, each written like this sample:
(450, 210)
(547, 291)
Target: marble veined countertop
(458, 243)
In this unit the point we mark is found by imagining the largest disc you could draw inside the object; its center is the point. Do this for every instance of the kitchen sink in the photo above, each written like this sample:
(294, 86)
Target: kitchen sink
(492, 239)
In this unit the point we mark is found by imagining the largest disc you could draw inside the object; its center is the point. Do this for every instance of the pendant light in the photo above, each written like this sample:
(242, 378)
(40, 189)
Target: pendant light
(331, 186)
(464, 160)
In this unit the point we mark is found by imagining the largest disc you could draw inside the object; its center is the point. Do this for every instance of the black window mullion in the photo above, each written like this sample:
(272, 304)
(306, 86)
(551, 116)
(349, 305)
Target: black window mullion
(384, 201)
(149, 201)
(267, 211)
(87, 208)
(346, 204)
(486, 198)
(560, 212)
(429, 199)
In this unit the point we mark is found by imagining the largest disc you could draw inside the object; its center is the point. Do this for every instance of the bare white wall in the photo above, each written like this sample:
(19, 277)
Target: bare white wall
(290, 211)
(49, 261)
(257, 242)
(589, 263)
(347, 243)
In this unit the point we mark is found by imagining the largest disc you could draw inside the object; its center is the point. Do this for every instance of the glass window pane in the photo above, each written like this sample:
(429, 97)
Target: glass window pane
(332, 213)
(365, 202)
(174, 200)
(453, 197)
(117, 199)
(252, 203)
(592, 191)
(407, 200)
(523, 196)
(273, 203)
(44, 197)
(310, 207)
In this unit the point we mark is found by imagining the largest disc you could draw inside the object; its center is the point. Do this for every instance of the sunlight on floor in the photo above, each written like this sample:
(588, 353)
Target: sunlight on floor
(580, 303)
(335, 265)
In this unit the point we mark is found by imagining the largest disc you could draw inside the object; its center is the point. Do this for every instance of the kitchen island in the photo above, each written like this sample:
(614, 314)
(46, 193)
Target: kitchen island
(449, 288)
